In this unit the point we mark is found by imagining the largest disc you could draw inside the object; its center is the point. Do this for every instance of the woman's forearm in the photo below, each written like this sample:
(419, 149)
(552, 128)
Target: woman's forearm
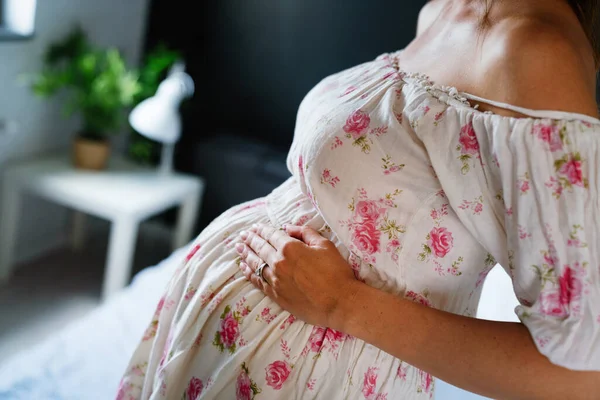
(495, 359)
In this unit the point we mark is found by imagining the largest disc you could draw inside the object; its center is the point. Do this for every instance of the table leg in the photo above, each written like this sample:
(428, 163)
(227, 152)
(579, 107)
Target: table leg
(123, 235)
(186, 219)
(8, 226)
(78, 230)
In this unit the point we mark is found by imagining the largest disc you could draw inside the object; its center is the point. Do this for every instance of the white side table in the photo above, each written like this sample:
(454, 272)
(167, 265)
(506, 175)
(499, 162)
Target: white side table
(125, 194)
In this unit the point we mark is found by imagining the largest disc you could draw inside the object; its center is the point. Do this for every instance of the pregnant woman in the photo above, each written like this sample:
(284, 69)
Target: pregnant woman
(413, 175)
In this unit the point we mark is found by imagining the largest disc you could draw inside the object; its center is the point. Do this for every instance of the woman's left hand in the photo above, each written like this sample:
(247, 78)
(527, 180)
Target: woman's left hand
(305, 273)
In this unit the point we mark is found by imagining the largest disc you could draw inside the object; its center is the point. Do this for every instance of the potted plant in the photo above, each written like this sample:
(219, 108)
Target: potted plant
(99, 89)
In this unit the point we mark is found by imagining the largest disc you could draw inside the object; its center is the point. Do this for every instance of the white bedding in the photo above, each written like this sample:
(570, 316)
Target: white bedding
(86, 359)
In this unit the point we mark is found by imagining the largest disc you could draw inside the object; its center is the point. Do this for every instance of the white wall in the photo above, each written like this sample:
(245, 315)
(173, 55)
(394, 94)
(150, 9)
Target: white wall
(41, 127)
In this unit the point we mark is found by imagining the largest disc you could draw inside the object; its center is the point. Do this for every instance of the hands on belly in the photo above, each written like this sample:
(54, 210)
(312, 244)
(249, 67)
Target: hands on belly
(304, 273)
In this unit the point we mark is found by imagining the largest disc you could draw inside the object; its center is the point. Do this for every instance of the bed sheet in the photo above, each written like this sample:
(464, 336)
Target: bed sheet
(86, 359)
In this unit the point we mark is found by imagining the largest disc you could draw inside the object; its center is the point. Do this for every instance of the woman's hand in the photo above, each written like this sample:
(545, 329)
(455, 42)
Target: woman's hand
(305, 273)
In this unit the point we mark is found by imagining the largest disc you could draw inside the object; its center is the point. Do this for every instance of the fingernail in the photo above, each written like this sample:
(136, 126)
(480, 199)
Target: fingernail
(243, 265)
(284, 226)
(244, 234)
(255, 225)
(239, 248)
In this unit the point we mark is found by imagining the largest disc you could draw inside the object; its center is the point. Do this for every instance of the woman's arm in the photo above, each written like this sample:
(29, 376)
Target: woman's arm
(494, 359)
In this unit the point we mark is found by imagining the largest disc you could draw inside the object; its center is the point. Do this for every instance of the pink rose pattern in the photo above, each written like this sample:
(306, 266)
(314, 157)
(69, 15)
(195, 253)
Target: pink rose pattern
(366, 238)
(422, 111)
(563, 285)
(337, 142)
(357, 129)
(420, 298)
(402, 371)
(439, 242)
(426, 383)
(328, 178)
(369, 226)
(315, 341)
(570, 169)
(570, 286)
(369, 385)
(207, 297)
(468, 140)
(245, 388)
(561, 294)
(389, 166)
(153, 326)
(288, 321)
(348, 91)
(523, 234)
(277, 373)
(569, 175)
(468, 147)
(438, 117)
(324, 339)
(228, 336)
(550, 133)
(475, 206)
(266, 316)
(357, 123)
(193, 252)
(189, 293)
(439, 239)
(194, 389)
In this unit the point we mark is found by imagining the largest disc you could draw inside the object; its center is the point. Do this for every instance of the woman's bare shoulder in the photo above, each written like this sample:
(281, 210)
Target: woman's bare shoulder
(538, 63)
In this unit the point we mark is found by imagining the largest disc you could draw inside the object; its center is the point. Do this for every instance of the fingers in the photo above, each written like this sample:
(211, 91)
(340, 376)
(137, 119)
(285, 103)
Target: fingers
(255, 280)
(248, 256)
(253, 261)
(308, 235)
(294, 231)
(260, 246)
(278, 238)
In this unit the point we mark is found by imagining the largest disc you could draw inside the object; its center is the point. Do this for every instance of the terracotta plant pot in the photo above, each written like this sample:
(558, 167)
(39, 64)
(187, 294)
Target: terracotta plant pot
(90, 154)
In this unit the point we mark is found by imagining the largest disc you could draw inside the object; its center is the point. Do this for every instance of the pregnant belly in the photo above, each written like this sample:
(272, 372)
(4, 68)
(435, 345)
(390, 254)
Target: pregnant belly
(215, 326)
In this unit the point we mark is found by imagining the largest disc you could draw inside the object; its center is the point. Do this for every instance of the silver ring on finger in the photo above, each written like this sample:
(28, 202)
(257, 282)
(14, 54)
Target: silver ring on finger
(259, 271)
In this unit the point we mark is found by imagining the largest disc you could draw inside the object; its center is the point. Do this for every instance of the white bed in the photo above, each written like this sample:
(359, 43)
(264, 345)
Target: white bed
(85, 360)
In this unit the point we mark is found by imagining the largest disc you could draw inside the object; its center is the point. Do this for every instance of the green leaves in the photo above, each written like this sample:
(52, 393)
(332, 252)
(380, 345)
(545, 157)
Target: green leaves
(154, 70)
(98, 84)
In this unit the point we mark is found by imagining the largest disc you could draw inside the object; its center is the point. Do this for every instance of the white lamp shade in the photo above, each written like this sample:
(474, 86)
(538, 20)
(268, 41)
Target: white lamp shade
(157, 117)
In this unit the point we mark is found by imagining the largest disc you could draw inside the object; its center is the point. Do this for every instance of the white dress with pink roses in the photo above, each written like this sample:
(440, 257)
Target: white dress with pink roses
(423, 194)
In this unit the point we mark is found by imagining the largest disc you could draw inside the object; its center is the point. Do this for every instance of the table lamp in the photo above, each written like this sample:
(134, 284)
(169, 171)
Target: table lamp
(157, 117)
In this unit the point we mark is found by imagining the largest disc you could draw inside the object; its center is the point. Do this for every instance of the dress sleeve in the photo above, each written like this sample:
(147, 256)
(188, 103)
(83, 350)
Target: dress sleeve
(550, 176)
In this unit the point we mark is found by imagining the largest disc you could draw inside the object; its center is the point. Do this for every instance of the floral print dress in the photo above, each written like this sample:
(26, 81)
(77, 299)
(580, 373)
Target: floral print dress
(423, 195)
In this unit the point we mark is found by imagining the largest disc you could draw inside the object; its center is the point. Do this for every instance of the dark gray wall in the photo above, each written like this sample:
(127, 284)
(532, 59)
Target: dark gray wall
(254, 60)
(266, 54)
